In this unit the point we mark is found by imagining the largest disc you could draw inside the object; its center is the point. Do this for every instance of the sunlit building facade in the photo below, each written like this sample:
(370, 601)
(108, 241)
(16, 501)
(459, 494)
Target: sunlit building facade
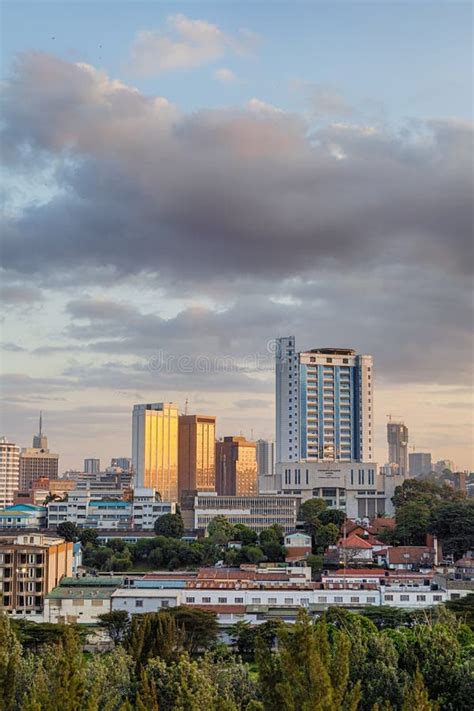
(155, 448)
(236, 467)
(197, 453)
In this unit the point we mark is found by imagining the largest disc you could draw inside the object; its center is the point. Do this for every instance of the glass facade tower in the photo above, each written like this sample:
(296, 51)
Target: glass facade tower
(155, 448)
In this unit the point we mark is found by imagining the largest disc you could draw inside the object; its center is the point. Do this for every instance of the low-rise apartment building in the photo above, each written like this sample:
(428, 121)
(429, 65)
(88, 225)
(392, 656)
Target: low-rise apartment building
(80, 600)
(23, 516)
(253, 594)
(31, 564)
(85, 509)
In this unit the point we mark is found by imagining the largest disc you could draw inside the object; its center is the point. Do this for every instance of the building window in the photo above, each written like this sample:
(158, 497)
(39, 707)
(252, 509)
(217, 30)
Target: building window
(354, 599)
(322, 598)
(288, 600)
(421, 598)
(404, 598)
(256, 601)
(206, 599)
(338, 598)
(371, 600)
(190, 599)
(389, 597)
(239, 600)
(222, 600)
(272, 601)
(138, 603)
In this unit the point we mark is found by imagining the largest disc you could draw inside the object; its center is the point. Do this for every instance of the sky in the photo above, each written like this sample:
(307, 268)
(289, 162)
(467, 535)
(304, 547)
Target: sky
(185, 182)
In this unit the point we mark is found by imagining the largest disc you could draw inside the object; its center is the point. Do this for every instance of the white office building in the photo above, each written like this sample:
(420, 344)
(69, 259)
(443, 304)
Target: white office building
(357, 488)
(324, 404)
(9, 471)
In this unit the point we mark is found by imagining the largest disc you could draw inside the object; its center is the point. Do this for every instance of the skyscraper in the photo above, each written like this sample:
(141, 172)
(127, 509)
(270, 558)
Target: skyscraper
(236, 467)
(37, 462)
(324, 404)
(265, 465)
(91, 466)
(197, 452)
(265, 457)
(397, 438)
(419, 463)
(155, 448)
(9, 471)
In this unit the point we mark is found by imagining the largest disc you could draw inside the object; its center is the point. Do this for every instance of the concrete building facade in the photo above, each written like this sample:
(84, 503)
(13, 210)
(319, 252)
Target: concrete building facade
(31, 564)
(9, 471)
(397, 438)
(236, 467)
(197, 453)
(324, 404)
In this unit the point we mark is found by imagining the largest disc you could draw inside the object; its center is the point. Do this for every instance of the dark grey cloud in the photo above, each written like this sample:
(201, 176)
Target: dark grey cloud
(226, 192)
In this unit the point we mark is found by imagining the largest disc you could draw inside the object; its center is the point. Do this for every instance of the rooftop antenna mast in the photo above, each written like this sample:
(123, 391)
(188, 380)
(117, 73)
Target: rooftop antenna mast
(186, 403)
(41, 423)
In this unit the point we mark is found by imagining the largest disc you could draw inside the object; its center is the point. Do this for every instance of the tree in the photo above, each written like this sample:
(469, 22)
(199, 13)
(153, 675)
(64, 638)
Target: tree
(68, 530)
(274, 552)
(325, 536)
(244, 534)
(155, 634)
(146, 698)
(200, 627)
(117, 623)
(252, 554)
(181, 686)
(416, 695)
(316, 563)
(10, 652)
(170, 525)
(335, 516)
(412, 521)
(310, 512)
(453, 523)
(307, 672)
(220, 530)
(272, 534)
(89, 535)
(463, 609)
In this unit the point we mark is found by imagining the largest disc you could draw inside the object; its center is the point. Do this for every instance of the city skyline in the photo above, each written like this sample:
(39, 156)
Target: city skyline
(199, 180)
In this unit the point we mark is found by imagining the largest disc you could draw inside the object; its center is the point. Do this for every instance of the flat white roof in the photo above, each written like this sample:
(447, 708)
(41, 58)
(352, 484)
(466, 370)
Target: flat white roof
(147, 592)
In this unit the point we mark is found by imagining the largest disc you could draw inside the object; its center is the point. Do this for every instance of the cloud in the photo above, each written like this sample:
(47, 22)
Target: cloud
(324, 101)
(12, 347)
(13, 295)
(156, 189)
(225, 76)
(186, 44)
(250, 222)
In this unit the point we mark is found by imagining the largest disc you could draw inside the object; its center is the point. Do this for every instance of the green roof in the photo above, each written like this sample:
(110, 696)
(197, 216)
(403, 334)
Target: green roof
(95, 581)
(88, 593)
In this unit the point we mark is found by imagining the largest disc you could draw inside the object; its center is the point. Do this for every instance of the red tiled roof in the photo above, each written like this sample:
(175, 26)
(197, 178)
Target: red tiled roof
(410, 554)
(354, 541)
(382, 524)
